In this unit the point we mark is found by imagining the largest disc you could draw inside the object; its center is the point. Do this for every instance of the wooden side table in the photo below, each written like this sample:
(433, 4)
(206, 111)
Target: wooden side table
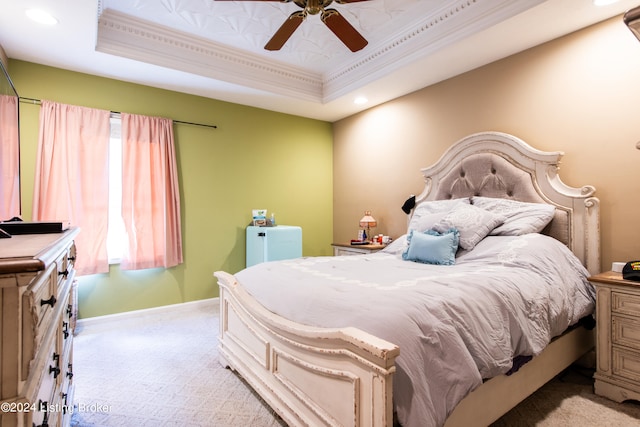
(617, 374)
(342, 249)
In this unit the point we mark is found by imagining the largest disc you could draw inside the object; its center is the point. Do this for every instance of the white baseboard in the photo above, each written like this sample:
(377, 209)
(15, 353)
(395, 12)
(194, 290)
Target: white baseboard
(153, 310)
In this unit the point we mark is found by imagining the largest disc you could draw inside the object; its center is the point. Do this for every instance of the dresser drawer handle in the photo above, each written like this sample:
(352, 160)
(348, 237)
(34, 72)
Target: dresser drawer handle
(43, 406)
(71, 258)
(45, 421)
(65, 330)
(64, 273)
(64, 402)
(54, 370)
(51, 301)
(69, 372)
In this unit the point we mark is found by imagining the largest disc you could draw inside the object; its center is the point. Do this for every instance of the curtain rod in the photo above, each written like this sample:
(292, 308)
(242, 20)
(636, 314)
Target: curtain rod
(38, 102)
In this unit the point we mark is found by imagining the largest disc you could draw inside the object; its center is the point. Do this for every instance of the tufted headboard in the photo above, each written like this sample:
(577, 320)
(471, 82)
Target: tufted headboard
(499, 165)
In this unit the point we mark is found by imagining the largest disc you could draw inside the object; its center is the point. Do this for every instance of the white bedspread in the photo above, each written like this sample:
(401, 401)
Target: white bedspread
(455, 325)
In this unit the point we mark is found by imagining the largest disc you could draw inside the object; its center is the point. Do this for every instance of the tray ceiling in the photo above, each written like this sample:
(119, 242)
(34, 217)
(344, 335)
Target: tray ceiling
(215, 48)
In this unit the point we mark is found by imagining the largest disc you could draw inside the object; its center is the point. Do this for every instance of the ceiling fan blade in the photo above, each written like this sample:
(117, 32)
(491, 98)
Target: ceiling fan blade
(286, 30)
(343, 30)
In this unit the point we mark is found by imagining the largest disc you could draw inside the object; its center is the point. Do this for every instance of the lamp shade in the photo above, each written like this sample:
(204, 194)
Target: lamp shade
(367, 220)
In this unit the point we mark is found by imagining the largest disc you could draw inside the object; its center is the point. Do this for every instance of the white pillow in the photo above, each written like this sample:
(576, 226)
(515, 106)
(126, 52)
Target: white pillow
(397, 246)
(430, 212)
(425, 222)
(521, 217)
(473, 224)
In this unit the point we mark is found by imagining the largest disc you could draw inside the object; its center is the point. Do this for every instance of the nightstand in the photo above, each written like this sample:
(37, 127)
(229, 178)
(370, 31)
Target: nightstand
(341, 249)
(617, 374)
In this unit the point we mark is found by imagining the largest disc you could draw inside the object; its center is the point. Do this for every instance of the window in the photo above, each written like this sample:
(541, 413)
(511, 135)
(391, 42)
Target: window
(116, 234)
(144, 206)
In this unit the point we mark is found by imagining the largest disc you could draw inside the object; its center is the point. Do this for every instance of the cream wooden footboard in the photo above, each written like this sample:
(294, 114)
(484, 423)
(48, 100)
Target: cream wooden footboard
(309, 376)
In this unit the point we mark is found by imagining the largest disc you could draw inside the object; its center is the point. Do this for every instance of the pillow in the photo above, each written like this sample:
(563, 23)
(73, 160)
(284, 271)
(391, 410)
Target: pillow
(397, 246)
(427, 221)
(521, 217)
(433, 207)
(432, 247)
(473, 224)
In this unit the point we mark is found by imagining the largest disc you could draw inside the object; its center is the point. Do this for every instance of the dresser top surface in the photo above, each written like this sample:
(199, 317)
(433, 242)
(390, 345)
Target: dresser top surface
(613, 278)
(372, 246)
(32, 251)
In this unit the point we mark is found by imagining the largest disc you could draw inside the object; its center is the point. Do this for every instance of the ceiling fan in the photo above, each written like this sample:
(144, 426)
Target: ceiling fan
(331, 18)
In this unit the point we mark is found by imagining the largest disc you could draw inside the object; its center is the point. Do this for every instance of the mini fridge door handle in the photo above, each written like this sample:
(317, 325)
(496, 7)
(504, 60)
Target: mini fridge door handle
(273, 243)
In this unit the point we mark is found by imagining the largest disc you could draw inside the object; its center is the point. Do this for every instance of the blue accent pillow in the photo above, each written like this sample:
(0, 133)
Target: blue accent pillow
(432, 247)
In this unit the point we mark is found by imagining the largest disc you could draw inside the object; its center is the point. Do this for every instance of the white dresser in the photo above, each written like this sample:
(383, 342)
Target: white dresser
(345, 249)
(618, 337)
(37, 319)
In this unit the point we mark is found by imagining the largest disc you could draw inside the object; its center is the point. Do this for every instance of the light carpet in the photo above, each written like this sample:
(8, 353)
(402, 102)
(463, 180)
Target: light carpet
(161, 368)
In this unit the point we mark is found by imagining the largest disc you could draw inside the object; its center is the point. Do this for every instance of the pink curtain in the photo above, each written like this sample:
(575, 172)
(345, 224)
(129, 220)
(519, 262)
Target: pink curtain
(72, 177)
(9, 158)
(150, 193)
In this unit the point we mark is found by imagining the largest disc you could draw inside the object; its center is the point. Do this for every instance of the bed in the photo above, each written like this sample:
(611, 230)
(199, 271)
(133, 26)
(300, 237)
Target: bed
(353, 348)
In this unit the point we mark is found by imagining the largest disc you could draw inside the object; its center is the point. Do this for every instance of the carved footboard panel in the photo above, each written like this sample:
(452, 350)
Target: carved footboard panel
(309, 376)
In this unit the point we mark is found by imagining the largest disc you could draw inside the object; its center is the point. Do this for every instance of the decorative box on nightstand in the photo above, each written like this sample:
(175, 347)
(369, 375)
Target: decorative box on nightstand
(617, 337)
(340, 249)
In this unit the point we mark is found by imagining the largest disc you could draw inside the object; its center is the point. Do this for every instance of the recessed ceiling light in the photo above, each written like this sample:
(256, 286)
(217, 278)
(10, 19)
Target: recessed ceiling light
(41, 17)
(360, 100)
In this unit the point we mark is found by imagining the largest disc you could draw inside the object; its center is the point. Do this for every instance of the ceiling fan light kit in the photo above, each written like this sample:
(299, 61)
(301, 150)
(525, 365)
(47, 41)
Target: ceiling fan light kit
(330, 17)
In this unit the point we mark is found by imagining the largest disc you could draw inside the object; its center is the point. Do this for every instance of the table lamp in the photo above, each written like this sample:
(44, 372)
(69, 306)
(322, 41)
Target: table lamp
(367, 221)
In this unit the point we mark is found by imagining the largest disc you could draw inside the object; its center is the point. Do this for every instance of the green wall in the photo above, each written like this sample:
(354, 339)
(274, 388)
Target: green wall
(254, 159)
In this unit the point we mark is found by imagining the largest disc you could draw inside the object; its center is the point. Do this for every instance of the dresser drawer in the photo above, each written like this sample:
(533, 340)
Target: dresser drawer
(41, 387)
(626, 364)
(39, 302)
(65, 393)
(62, 268)
(64, 264)
(41, 296)
(625, 331)
(624, 303)
(65, 343)
(345, 252)
(45, 395)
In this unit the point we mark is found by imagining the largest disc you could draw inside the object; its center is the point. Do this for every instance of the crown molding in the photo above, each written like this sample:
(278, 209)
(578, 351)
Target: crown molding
(130, 37)
(134, 38)
(436, 31)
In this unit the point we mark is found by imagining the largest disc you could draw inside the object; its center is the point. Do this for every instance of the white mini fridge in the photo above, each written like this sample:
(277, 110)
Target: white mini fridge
(273, 243)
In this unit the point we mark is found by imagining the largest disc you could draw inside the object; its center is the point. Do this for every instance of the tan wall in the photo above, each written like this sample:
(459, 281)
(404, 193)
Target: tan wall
(579, 94)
